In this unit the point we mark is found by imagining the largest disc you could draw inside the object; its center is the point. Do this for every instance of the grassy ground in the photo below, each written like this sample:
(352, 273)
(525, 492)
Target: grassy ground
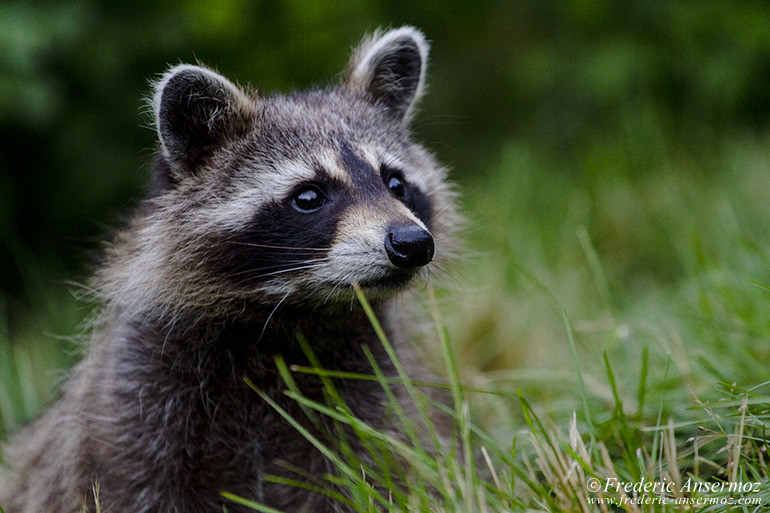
(610, 323)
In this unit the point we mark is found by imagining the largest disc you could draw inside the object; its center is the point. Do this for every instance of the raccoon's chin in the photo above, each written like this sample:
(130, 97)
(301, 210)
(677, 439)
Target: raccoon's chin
(395, 280)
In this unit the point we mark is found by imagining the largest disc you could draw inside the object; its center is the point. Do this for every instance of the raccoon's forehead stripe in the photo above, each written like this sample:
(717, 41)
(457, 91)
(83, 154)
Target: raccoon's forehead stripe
(361, 172)
(367, 161)
(371, 156)
(328, 163)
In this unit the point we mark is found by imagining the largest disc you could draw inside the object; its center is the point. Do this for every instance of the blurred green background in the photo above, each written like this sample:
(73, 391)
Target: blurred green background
(613, 157)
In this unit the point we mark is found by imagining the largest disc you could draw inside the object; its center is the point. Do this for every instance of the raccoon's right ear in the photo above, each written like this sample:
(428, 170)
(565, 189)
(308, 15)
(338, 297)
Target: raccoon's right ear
(197, 111)
(390, 68)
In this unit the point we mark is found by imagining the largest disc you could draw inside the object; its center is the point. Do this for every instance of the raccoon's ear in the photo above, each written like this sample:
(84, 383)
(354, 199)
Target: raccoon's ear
(390, 68)
(196, 112)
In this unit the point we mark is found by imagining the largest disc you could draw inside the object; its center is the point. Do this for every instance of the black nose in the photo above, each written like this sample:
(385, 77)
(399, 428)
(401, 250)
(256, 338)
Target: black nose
(408, 245)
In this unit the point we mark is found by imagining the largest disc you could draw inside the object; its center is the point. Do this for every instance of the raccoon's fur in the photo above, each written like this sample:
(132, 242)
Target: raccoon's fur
(266, 210)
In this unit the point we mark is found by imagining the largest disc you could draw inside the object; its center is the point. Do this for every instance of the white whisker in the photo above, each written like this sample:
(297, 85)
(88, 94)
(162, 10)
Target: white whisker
(270, 246)
(264, 328)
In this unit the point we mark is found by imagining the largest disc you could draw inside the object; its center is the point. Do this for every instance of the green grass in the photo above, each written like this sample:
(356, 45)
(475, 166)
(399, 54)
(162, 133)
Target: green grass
(606, 325)
(544, 464)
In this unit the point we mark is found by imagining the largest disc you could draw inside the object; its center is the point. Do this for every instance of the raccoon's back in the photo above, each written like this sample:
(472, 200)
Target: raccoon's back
(46, 472)
(48, 464)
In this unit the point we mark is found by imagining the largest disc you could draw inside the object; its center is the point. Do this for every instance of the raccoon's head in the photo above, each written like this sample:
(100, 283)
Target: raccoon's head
(292, 197)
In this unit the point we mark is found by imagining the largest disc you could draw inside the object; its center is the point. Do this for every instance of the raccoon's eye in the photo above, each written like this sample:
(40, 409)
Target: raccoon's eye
(397, 186)
(308, 199)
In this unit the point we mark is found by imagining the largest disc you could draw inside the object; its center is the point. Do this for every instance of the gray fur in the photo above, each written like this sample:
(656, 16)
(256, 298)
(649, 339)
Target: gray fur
(157, 412)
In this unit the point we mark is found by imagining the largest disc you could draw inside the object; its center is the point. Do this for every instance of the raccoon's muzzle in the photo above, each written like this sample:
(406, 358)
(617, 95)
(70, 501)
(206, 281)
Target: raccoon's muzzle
(409, 245)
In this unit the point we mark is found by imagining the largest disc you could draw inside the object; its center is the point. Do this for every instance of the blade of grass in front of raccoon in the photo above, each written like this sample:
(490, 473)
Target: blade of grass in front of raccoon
(417, 458)
(417, 397)
(347, 418)
(330, 389)
(370, 431)
(414, 394)
(310, 479)
(284, 371)
(343, 467)
(280, 363)
(406, 422)
(331, 392)
(421, 455)
(398, 381)
(307, 485)
(461, 405)
(249, 504)
(420, 400)
(415, 453)
(311, 414)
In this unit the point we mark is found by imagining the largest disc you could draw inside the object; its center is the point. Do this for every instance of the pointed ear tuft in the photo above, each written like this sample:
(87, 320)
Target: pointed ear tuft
(390, 68)
(196, 112)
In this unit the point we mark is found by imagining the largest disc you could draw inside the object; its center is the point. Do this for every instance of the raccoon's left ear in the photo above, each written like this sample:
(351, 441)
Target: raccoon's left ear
(390, 68)
(196, 112)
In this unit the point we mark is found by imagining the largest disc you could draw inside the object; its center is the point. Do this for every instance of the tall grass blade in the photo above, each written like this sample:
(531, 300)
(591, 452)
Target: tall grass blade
(249, 504)
(581, 383)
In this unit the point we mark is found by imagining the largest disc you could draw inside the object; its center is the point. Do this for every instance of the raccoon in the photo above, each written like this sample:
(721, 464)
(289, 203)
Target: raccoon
(266, 210)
